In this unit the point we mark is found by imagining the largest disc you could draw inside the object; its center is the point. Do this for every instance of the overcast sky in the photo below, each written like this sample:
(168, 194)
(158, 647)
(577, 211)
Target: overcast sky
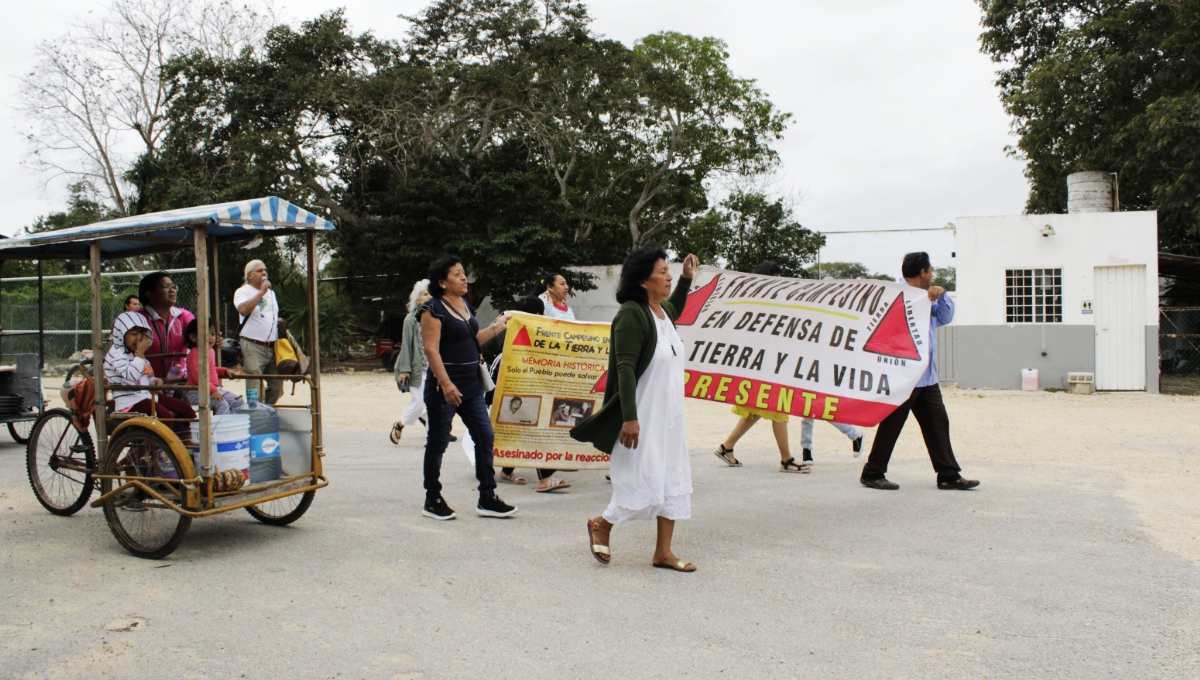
(897, 124)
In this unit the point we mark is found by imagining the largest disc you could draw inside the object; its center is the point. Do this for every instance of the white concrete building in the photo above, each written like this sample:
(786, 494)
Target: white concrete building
(1058, 293)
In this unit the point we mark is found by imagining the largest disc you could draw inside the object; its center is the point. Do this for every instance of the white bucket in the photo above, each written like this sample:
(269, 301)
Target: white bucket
(1029, 379)
(229, 443)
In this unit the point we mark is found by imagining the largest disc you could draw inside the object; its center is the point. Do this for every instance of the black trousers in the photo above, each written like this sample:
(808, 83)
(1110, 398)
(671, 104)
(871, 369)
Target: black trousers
(926, 404)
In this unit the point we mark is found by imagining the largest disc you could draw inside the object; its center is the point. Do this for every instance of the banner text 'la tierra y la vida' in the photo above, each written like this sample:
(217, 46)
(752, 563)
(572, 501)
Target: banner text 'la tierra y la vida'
(551, 377)
(846, 351)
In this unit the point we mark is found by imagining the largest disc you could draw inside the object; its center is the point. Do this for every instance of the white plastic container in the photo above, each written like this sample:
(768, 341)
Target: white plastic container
(229, 443)
(295, 439)
(1029, 379)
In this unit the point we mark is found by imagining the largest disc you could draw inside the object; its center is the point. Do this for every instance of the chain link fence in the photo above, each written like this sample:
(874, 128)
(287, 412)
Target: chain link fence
(1179, 350)
(67, 310)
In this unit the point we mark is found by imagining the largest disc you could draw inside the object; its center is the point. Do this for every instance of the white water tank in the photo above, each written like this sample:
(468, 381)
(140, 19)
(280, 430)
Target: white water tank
(1090, 192)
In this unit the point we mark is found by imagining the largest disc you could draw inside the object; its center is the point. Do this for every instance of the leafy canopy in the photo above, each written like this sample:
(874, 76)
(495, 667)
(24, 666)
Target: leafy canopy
(747, 229)
(1106, 85)
(504, 131)
(844, 270)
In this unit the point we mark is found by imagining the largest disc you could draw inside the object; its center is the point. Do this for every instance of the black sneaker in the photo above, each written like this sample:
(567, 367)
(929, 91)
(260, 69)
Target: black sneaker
(494, 507)
(857, 444)
(453, 438)
(437, 509)
(807, 456)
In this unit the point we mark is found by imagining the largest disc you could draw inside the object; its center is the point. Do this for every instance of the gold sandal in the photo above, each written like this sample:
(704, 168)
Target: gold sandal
(675, 565)
(555, 485)
(514, 478)
(601, 552)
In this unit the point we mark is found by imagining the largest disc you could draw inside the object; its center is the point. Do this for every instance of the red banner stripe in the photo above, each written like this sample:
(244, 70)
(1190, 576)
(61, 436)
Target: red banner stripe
(768, 396)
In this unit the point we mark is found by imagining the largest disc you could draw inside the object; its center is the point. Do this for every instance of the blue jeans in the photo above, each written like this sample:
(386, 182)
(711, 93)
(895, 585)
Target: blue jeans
(806, 431)
(473, 413)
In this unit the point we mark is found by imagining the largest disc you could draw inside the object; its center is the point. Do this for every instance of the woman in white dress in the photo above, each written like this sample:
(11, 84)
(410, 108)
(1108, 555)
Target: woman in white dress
(641, 424)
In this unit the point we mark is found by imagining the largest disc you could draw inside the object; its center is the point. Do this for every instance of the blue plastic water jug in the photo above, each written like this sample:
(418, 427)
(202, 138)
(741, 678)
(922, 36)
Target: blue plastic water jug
(265, 462)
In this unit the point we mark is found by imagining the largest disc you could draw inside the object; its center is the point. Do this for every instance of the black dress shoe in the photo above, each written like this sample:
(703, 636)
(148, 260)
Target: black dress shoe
(960, 484)
(881, 483)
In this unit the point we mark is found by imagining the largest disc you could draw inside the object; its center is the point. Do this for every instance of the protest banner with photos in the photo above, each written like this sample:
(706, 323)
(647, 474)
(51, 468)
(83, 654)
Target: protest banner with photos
(846, 351)
(551, 377)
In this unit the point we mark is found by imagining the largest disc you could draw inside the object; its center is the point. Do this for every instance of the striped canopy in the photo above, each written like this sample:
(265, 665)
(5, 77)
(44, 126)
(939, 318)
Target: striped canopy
(167, 230)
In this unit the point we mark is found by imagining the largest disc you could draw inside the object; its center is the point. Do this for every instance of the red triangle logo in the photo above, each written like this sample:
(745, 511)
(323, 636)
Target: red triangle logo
(892, 337)
(695, 303)
(522, 338)
(601, 384)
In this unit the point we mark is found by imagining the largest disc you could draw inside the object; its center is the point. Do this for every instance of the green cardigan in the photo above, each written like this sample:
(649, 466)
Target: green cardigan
(631, 347)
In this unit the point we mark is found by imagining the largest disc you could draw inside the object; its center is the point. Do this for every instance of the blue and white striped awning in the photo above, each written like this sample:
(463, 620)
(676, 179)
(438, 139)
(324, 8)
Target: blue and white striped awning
(167, 230)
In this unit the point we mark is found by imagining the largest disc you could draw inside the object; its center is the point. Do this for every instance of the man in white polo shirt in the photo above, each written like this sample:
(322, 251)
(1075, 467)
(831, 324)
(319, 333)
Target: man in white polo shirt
(255, 302)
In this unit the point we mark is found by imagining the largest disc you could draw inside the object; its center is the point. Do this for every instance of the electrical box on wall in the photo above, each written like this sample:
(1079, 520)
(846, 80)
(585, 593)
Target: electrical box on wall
(1087, 307)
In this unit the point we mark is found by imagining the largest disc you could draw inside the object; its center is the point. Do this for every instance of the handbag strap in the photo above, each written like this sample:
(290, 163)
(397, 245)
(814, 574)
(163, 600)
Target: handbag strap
(242, 325)
(468, 323)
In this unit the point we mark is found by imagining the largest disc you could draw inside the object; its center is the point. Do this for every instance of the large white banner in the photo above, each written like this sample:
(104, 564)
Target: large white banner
(846, 351)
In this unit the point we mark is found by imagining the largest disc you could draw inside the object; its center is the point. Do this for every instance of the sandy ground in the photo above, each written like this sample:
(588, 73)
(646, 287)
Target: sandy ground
(1076, 558)
(1146, 444)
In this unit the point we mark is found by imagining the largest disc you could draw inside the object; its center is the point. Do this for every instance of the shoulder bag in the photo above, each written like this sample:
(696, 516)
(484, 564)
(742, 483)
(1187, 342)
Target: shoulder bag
(231, 350)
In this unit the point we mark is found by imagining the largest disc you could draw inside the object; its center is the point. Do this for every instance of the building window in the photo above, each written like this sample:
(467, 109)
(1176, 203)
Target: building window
(1033, 295)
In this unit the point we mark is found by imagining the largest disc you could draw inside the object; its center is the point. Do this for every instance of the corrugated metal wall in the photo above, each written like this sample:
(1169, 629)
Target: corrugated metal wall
(947, 354)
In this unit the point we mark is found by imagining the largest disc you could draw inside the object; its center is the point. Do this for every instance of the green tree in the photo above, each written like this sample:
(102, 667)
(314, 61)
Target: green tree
(944, 277)
(844, 271)
(697, 121)
(260, 123)
(443, 155)
(746, 229)
(503, 131)
(1105, 85)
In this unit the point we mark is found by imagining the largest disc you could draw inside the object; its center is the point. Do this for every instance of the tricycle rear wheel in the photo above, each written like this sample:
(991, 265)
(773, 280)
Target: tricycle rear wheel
(145, 525)
(60, 459)
(283, 511)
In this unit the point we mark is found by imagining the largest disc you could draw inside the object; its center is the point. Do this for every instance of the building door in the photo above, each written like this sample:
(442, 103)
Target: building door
(1120, 316)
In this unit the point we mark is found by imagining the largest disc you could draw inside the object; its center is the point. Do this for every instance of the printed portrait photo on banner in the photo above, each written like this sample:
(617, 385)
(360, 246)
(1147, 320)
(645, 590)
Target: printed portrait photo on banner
(568, 412)
(520, 409)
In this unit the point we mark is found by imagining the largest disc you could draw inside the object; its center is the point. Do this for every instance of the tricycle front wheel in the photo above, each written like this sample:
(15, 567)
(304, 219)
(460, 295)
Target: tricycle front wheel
(20, 430)
(140, 516)
(60, 459)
